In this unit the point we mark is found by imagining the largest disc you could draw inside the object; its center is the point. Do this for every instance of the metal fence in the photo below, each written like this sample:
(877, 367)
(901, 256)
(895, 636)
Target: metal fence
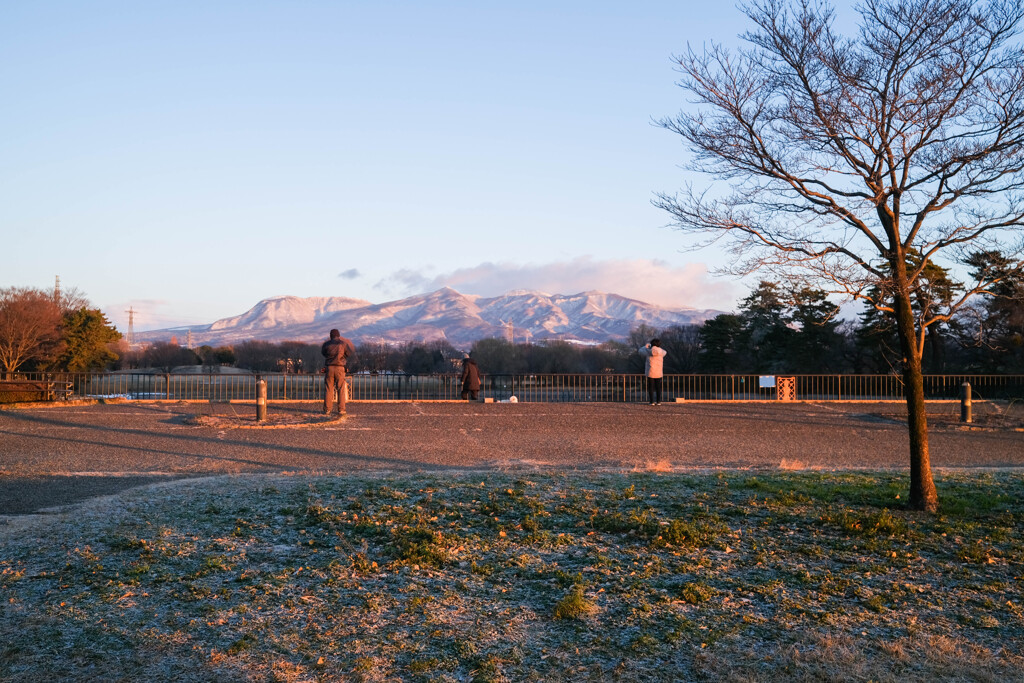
(526, 387)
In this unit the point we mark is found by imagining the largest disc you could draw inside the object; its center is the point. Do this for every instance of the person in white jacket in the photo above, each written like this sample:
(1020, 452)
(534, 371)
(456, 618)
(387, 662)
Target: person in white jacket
(655, 357)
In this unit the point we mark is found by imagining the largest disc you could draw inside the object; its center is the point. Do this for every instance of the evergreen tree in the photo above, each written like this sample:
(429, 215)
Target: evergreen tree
(88, 337)
(766, 334)
(719, 340)
(1000, 323)
(876, 338)
(816, 344)
(934, 290)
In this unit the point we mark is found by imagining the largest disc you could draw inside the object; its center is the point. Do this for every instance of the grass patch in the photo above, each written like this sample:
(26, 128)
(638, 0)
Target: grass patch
(584, 576)
(699, 533)
(870, 523)
(574, 605)
(696, 593)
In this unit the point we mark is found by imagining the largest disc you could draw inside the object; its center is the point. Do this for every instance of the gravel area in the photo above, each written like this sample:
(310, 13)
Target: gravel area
(56, 455)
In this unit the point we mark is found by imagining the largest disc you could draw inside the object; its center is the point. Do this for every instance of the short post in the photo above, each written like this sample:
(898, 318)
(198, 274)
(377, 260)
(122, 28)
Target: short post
(261, 400)
(965, 402)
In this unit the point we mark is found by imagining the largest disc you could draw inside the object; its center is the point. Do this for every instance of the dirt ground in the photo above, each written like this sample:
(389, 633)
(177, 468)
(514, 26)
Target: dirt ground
(56, 455)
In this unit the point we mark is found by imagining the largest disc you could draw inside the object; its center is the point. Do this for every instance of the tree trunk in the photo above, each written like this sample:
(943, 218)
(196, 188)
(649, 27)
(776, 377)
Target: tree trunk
(923, 495)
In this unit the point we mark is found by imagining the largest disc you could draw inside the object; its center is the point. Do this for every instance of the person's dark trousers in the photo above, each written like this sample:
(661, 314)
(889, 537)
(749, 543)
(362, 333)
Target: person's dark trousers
(654, 389)
(335, 380)
(469, 394)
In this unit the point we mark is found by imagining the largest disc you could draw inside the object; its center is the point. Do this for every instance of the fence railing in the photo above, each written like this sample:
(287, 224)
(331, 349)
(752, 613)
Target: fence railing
(620, 388)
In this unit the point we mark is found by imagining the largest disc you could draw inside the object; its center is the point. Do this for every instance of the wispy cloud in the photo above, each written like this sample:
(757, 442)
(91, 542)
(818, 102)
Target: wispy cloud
(149, 314)
(350, 274)
(406, 281)
(653, 281)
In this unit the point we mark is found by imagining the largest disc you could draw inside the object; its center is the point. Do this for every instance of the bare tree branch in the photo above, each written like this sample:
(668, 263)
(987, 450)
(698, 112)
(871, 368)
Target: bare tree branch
(858, 162)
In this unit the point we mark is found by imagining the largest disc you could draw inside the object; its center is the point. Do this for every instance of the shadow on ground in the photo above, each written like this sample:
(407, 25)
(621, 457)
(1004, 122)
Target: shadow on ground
(28, 495)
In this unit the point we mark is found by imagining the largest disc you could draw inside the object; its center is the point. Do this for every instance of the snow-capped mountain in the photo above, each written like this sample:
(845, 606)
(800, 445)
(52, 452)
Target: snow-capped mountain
(287, 310)
(445, 314)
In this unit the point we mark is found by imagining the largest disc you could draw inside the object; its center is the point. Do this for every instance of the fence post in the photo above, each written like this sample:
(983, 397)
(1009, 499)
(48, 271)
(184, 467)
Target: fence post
(167, 386)
(261, 400)
(965, 402)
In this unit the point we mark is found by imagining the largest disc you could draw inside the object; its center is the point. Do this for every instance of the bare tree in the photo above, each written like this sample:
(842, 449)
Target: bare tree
(29, 327)
(167, 356)
(847, 156)
(70, 299)
(374, 356)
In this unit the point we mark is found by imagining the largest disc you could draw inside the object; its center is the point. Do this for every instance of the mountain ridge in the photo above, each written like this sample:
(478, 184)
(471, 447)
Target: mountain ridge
(461, 319)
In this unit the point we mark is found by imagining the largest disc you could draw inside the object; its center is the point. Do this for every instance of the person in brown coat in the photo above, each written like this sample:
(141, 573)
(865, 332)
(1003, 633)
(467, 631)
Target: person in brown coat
(336, 351)
(470, 379)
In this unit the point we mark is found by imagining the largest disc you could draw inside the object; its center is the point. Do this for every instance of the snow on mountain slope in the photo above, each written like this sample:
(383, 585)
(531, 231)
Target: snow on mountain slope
(287, 310)
(444, 314)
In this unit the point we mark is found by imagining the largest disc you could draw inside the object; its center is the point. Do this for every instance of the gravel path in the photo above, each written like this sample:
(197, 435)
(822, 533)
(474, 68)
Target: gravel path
(64, 454)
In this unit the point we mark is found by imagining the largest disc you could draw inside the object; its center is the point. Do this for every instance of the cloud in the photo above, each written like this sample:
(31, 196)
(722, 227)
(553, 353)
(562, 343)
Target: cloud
(406, 281)
(652, 281)
(149, 314)
(350, 274)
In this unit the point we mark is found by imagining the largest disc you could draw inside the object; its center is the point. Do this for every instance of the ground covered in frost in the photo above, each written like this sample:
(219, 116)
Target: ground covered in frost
(530, 575)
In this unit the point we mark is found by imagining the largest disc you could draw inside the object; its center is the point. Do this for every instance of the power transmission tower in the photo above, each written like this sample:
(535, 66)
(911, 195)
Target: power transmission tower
(188, 343)
(56, 291)
(131, 327)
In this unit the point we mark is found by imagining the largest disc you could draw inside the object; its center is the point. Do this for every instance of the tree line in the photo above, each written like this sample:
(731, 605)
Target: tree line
(55, 330)
(798, 331)
(776, 330)
(416, 358)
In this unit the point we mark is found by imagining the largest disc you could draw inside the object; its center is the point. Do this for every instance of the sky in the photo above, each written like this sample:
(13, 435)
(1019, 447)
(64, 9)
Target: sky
(187, 159)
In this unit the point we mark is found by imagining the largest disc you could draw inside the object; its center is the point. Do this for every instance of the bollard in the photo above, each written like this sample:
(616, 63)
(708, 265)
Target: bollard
(261, 400)
(965, 402)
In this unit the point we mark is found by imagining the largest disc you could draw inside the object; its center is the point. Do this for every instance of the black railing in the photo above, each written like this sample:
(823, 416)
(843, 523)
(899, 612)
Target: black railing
(619, 388)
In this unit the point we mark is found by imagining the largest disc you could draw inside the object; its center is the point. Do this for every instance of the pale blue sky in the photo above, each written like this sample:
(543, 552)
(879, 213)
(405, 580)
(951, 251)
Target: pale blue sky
(191, 158)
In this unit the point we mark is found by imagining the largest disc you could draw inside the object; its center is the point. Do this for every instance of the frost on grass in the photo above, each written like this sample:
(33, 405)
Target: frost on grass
(494, 576)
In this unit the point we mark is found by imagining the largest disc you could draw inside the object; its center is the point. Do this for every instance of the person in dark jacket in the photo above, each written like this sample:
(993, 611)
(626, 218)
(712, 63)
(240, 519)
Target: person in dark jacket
(336, 351)
(470, 379)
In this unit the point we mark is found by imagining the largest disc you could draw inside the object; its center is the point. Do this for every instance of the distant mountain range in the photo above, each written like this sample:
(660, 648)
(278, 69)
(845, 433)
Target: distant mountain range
(461, 319)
